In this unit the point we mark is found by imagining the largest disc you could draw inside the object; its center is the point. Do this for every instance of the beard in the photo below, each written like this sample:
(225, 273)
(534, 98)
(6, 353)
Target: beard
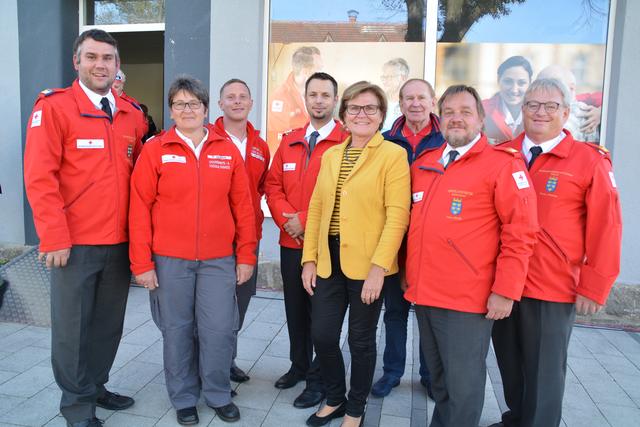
(459, 140)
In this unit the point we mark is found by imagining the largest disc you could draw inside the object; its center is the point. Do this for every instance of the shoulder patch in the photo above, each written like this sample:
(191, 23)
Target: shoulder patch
(602, 150)
(508, 150)
(49, 92)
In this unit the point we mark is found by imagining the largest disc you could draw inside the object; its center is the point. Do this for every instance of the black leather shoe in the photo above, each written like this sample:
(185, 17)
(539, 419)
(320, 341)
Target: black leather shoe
(316, 421)
(238, 375)
(228, 413)
(288, 380)
(233, 393)
(114, 401)
(93, 422)
(187, 416)
(308, 398)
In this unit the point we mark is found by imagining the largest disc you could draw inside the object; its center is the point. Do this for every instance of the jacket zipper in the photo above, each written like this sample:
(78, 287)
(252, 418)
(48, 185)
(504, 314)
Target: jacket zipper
(80, 194)
(435, 183)
(464, 258)
(555, 244)
(114, 160)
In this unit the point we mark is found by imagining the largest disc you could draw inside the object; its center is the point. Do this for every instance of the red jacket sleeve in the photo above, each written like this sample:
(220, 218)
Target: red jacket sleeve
(144, 189)
(274, 189)
(42, 159)
(243, 214)
(515, 202)
(603, 235)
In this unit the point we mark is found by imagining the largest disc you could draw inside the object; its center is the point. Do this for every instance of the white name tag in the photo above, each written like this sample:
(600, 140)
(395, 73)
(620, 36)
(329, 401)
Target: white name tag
(613, 179)
(172, 158)
(257, 155)
(287, 167)
(90, 143)
(521, 180)
(36, 119)
(218, 157)
(417, 197)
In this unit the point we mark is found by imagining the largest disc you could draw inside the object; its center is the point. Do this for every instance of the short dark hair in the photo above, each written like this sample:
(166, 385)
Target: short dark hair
(515, 61)
(322, 76)
(456, 89)
(190, 85)
(303, 58)
(232, 81)
(97, 35)
(358, 89)
(429, 87)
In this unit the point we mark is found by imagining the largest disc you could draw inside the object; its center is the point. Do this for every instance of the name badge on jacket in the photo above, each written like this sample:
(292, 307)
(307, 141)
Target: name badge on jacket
(287, 167)
(90, 143)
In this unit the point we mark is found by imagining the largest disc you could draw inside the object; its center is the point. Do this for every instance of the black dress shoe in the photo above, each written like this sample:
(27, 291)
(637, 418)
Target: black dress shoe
(233, 393)
(187, 416)
(229, 412)
(308, 398)
(93, 422)
(288, 380)
(238, 375)
(114, 401)
(316, 421)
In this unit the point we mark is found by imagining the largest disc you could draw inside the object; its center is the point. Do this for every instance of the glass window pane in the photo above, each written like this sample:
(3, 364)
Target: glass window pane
(377, 40)
(500, 46)
(113, 12)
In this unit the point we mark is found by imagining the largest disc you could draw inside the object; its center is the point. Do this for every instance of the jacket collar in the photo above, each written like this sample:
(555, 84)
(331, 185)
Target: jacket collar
(171, 137)
(338, 134)
(396, 129)
(87, 108)
(561, 150)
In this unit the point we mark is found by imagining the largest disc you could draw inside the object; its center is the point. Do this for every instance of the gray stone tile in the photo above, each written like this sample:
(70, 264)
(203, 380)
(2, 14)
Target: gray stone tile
(269, 368)
(272, 314)
(251, 348)
(146, 334)
(418, 418)
(279, 347)
(28, 382)
(616, 365)
(135, 375)
(58, 421)
(578, 409)
(630, 384)
(578, 350)
(18, 340)
(394, 421)
(595, 342)
(8, 328)
(263, 331)
(134, 319)
(24, 359)
(152, 401)
(623, 341)
(152, 353)
(8, 402)
(249, 417)
(621, 416)
(398, 402)
(609, 392)
(282, 414)
(6, 376)
(127, 352)
(587, 370)
(289, 395)
(371, 418)
(36, 411)
(259, 394)
(123, 419)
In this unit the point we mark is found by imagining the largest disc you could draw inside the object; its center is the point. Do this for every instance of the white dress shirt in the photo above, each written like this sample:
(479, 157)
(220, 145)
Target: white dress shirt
(546, 146)
(241, 144)
(461, 150)
(198, 149)
(95, 98)
(324, 131)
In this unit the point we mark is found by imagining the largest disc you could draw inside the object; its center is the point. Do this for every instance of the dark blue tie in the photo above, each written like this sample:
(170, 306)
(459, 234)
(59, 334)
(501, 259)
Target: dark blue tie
(535, 152)
(106, 108)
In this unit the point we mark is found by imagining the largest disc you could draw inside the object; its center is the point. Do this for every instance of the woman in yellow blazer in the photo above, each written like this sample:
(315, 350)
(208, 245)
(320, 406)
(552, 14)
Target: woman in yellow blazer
(357, 217)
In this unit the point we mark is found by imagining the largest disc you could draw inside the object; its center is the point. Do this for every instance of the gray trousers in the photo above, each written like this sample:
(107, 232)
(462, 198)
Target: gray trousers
(88, 301)
(531, 347)
(244, 293)
(195, 308)
(455, 346)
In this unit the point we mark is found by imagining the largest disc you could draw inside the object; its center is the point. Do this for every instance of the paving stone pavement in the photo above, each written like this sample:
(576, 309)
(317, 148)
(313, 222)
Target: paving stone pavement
(603, 380)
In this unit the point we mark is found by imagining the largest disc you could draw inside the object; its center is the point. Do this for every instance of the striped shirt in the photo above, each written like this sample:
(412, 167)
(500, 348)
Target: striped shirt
(349, 159)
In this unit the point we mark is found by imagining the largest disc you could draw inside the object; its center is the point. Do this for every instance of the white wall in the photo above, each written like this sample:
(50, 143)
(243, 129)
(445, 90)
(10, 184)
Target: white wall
(11, 199)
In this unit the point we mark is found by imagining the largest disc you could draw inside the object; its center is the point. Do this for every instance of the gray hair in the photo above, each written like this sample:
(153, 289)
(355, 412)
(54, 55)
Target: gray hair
(400, 64)
(190, 85)
(549, 85)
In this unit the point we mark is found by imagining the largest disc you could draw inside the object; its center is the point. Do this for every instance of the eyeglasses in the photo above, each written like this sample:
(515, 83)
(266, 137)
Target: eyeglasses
(193, 105)
(369, 110)
(549, 107)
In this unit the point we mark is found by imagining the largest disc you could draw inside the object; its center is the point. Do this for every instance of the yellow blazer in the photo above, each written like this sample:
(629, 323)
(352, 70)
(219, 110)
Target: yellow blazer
(374, 209)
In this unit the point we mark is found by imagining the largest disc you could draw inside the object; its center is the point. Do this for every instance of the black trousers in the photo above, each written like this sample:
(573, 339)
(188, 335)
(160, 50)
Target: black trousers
(332, 297)
(455, 346)
(88, 300)
(531, 346)
(297, 305)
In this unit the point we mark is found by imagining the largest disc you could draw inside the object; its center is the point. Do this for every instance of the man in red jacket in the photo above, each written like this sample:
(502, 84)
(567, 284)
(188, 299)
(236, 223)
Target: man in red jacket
(81, 145)
(289, 186)
(472, 230)
(574, 264)
(236, 103)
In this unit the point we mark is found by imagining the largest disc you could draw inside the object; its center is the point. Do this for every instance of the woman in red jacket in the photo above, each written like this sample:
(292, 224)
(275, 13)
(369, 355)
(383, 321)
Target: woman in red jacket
(192, 240)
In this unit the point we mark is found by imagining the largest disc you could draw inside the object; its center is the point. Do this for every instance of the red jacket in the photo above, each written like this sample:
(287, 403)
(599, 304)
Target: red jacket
(256, 163)
(187, 208)
(144, 125)
(77, 167)
(579, 241)
(472, 228)
(286, 111)
(292, 177)
(495, 127)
